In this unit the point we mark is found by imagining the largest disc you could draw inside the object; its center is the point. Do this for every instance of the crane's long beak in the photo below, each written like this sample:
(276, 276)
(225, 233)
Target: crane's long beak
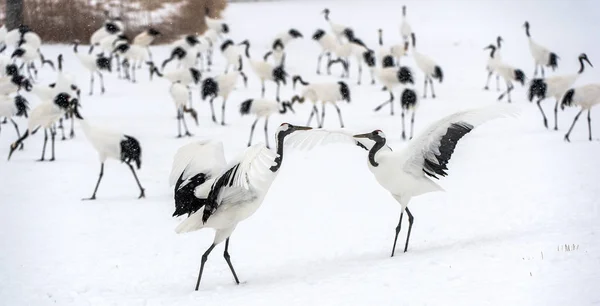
(303, 128)
(367, 135)
(588, 61)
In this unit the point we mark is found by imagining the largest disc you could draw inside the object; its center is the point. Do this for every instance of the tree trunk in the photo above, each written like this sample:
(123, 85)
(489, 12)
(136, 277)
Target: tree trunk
(14, 13)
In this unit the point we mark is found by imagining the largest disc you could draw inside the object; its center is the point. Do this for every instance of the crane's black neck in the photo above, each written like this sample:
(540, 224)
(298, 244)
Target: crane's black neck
(527, 31)
(493, 50)
(379, 143)
(582, 66)
(499, 41)
(279, 158)
(284, 106)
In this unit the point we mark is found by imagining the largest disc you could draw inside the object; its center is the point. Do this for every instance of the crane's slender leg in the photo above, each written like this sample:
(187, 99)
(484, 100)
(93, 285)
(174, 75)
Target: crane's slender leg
(488, 80)
(432, 91)
(204, 258)
(52, 135)
(92, 84)
(93, 197)
(101, 82)
(18, 134)
(187, 132)
(315, 112)
(178, 122)
(44, 147)
(542, 110)
(372, 77)
(505, 92)
(535, 71)
(133, 73)
(252, 130)
(62, 127)
(572, 125)
(425, 89)
(142, 194)
(508, 93)
(410, 224)
(556, 115)
(322, 116)
(212, 110)
(397, 233)
(412, 123)
(262, 90)
(359, 72)
(542, 68)
(277, 96)
(223, 111)
(228, 259)
(267, 132)
(391, 100)
(497, 82)
(590, 124)
(319, 63)
(339, 115)
(328, 60)
(402, 114)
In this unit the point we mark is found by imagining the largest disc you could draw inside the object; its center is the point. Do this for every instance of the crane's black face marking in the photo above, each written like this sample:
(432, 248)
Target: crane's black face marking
(210, 88)
(195, 75)
(388, 61)
(192, 40)
(318, 34)
(349, 33)
(404, 75)
(538, 89)
(437, 166)
(295, 33)
(414, 39)
(345, 91)
(131, 151)
(62, 100)
(186, 201)
(153, 32)
(226, 45)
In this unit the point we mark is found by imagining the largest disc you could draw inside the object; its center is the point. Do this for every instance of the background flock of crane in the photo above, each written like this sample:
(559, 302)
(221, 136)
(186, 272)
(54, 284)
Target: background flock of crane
(50, 92)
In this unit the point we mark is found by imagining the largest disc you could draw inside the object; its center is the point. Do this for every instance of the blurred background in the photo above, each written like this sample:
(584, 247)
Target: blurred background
(61, 21)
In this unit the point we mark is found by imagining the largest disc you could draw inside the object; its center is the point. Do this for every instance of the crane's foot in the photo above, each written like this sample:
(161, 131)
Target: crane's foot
(142, 194)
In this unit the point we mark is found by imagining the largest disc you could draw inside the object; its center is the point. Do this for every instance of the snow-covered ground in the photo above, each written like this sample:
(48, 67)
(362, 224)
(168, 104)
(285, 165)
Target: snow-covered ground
(516, 192)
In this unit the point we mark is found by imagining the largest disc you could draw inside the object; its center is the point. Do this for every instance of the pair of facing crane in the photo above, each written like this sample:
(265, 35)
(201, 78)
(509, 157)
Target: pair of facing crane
(219, 195)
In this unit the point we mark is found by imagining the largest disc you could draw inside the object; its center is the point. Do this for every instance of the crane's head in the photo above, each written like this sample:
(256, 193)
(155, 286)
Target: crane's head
(583, 57)
(325, 11)
(376, 136)
(526, 25)
(286, 129)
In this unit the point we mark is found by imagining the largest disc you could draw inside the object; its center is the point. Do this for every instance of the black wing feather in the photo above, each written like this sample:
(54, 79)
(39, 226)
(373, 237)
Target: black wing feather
(447, 144)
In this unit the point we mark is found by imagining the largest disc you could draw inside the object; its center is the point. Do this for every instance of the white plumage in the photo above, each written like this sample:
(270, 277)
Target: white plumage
(324, 92)
(555, 87)
(180, 93)
(263, 109)
(328, 45)
(586, 97)
(541, 55)
(405, 28)
(428, 66)
(407, 173)
(236, 194)
(493, 61)
(221, 86)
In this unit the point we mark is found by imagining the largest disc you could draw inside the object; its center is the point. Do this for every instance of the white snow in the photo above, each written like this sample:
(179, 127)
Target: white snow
(516, 192)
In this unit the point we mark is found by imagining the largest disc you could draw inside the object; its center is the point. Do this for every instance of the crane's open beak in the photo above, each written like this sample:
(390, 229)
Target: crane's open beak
(367, 135)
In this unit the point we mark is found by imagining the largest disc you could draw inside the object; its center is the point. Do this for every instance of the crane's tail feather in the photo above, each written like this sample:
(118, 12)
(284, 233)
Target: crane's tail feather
(192, 223)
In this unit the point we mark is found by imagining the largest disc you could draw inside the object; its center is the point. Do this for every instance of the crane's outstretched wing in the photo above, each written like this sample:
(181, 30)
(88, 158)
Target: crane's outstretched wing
(430, 152)
(309, 139)
(242, 180)
(197, 157)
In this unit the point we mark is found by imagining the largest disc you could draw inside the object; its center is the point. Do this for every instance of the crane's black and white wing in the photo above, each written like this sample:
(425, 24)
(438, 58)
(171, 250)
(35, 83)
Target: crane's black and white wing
(195, 167)
(430, 153)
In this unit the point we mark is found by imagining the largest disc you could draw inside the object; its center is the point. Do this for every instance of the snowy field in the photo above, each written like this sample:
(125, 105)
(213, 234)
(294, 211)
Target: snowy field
(516, 192)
